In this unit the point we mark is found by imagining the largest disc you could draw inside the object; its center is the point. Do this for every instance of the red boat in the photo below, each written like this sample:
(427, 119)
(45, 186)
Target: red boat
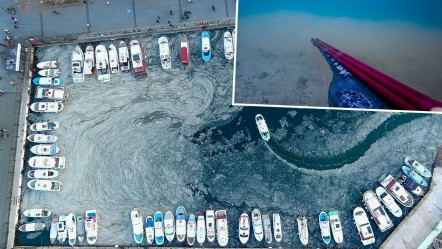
(184, 51)
(139, 67)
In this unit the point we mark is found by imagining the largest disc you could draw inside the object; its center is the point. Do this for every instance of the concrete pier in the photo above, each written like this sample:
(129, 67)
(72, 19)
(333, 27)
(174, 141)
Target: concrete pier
(420, 222)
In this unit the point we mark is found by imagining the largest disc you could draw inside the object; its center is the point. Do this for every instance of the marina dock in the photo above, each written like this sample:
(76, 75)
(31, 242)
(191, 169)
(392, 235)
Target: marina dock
(424, 217)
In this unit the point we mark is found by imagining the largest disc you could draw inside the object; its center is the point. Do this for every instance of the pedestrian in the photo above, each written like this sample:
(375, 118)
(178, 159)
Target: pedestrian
(84, 1)
(171, 12)
(88, 25)
(190, 1)
(15, 21)
(158, 21)
(213, 7)
(15, 26)
(1, 93)
(55, 12)
(6, 31)
(108, 3)
(90, 2)
(168, 22)
(159, 18)
(11, 82)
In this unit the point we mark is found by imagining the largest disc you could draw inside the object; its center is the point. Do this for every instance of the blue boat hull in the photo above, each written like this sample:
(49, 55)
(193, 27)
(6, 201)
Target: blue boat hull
(206, 56)
(55, 82)
(159, 240)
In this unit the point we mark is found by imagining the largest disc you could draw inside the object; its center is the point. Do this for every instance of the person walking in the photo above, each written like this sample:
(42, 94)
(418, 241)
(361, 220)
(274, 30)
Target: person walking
(1, 93)
(213, 7)
(158, 21)
(55, 12)
(170, 12)
(7, 31)
(12, 82)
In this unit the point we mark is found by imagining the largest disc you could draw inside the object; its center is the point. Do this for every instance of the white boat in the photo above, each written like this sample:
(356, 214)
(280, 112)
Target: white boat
(53, 107)
(396, 190)
(389, 202)
(42, 138)
(37, 213)
(228, 45)
(49, 93)
(53, 231)
(222, 229)
(123, 57)
(165, 58)
(62, 232)
(149, 229)
(184, 50)
(210, 225)
(180, 217)
(137, 225)
(49, 72)
(244, 228)
(47, 162)
(113, 59)
(47, 81)
(89, 61)
(191, 230)
(32, 227)
(363, 226)
(418, 167)
(77, 65)
(91, 226)
(47, 65)
(262, 127)
(159, 228)
(81, 232)
(139, 67)
(377, 211)
(43, 174)
(102, 63)
(201, 228)
(71, 225)
(277, 227)
(44, 149)
(302, 229)
(267, 228)
(45, 126)
(324, 225)
(336, 226)
(234, 38)
(44, 185)
(169, 226)
(257, 225)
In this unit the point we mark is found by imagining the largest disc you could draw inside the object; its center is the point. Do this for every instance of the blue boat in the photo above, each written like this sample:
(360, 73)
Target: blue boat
(47, 81)
(324, 225)
(159, 230)
(205, 46)
(149, 229)
(180, 226)
(415, 176)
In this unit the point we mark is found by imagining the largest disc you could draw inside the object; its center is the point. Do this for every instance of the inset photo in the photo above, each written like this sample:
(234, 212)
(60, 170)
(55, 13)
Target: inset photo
(346, 54)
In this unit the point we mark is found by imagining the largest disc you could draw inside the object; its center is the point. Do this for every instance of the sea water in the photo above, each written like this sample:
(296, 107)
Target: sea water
(173, 139)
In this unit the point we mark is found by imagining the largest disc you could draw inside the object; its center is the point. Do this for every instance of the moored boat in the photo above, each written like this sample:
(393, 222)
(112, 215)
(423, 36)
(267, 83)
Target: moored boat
(336, 226)
(184, 50)
(222, 229)
(228, 45)
(37, 213)
(159, 229)
(302, 229)
(91, 226)
(210, 225)
(169, 226)
(53, 230)
(44, 149)
(389, 202)
(418, 167)
(180, 214)
(363, 226)
(244, 228)
(267, 228)
(257, 225)
(77, 65)
(206, 50)
(53, 107)
(62, 232)
(113, 59)
(43, 174)
(200, 228)
(377, 211)
(414, 176)
(42, 138)
(47, 81)
(149, 229)
(277, 227)
(396, 190)
(49, 72)
(44, 185)
(47, 65)
(139, 67)
(324, 225)
(47, 162)
(123, 57)
(80, 228)
(32, 227)
(102, 63)
(137, 225)
(165, 58)
(89, 61)
(47, 93)
(45, 126)
(191, 230)
(411, 185)
(71, 225)
(262, 127)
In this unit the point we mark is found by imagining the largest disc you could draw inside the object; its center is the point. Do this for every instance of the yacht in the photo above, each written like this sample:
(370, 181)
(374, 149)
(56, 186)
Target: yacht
(257, 225)
(389, 202)
(210, 225)
(262, 127)
(123, 57)
(228, 45)
(91, 226)
(137, 225)
(77, 65)
(396, 190)
(102, 63)
(113, 59)
(165, 58)
(363, 226)
(139, 67)
(336, 226)
(302, 229)
(244, 228)
(222, 229)
(89, 61)
(377, 211)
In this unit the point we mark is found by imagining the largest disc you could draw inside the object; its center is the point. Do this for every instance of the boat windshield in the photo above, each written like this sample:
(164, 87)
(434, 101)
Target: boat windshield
(136, 57)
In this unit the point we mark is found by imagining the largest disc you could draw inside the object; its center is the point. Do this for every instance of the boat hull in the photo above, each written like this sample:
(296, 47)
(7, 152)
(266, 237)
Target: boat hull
(324, 225)
(303, 229)
(191, 230)
(418, 167)
(258, 230)
(206, 50)
(201, 228)
(222, 231)
(210, 225)
(363, 226)
(388, 202)
(45, 126)
(228, 45)
(159, 228)
(414, 176)
(37, 213)
(47, 81)
(244, 228)
(169, 226)
(336, 227)
(77, 61)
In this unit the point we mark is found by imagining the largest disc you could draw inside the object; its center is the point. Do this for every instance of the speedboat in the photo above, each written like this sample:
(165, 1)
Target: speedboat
(336, 227)
(210, 225)
(137, 225)
(80, 228)
(377, 211)
(302, 229)
(257, 225)
(149, 229)
(184, 50)
(62, 232)
(47, 65)
(389, 202)
(416, 166)
(37, 213)
(91, 226)
(47, 93)
(191, 230)
(71, 224)
(163, 43)
(206, 51)
(44, 185)
(414, 176)
(113, 59)
(49, 72)
(228, 45)
(277, 227)
(139, 67)
(244, 228)
(169, 226)
(324, 225)
(262, 127)
(47, 162)
(77, 65)
(42, 138)
(47, 81)
(44, 150)
(411, 185)
(222, 229)
(32, 227)
(267, 228)
(123, 57)
(89, 61)
(159, 230)
(234, 38)
(396, 190)
(102, 63)
(363, 226)
(42, 174)
(53, 107)
(200, 228)
(53, 230)
(45, 126)
(180, 214)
